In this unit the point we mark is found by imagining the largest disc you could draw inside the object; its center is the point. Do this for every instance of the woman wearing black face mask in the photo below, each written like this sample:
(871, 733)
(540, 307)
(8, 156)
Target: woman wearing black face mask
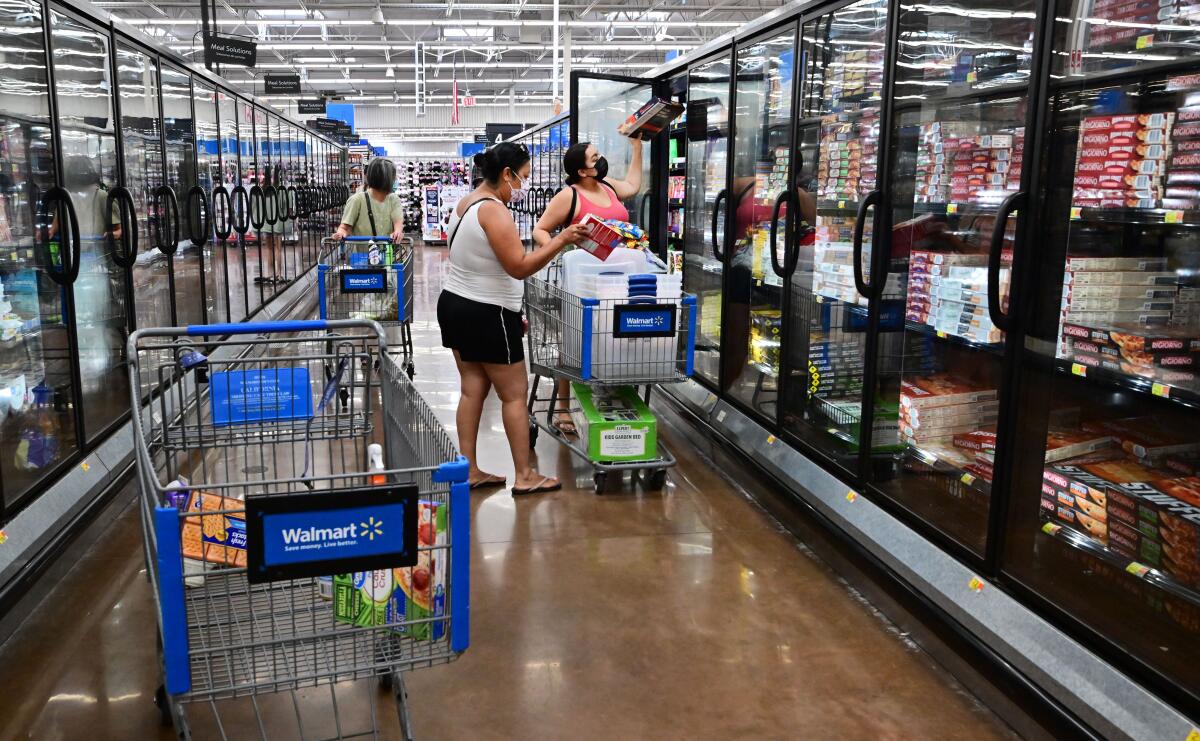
(588, 192)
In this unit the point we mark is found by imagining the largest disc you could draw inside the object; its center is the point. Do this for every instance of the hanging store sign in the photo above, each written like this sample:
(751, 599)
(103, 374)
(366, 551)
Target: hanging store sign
(230, 50)
(420, 79)
(282, 84)
(325, 125)
(316, 105)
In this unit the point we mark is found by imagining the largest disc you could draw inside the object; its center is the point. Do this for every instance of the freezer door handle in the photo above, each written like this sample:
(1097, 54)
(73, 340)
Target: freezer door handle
(124, 255)
(860, 221)
(167, 236)
(257, 207)
(59, 197)
(643, 213)
(1010, 204)
(196, 204)
(724, 194)
(781, 269)
(241, 208)
(222, 229)
(293, 202)
(270, 198)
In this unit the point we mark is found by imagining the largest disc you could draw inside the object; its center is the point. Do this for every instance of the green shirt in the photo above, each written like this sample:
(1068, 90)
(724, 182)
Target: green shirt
(386, 214)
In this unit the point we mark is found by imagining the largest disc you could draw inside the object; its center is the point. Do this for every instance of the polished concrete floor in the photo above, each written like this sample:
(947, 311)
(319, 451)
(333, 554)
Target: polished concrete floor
(688, 613)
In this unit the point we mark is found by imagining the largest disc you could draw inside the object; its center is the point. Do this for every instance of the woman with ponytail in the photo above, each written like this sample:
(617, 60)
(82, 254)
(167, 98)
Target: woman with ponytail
(479, 310)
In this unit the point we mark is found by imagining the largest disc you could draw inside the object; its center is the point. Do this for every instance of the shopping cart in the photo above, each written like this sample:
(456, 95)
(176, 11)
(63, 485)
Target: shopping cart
(637, 343)
(351, 285)
(255, 488)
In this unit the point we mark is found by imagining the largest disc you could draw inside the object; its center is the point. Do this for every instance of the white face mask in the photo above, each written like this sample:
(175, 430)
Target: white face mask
(518, 194)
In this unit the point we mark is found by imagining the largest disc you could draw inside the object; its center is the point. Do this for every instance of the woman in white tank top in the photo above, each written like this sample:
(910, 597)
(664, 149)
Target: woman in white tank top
(479, 310)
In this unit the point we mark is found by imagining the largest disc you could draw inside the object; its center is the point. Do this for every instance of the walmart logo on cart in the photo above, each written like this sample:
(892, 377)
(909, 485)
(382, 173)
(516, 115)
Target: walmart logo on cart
(319, 537)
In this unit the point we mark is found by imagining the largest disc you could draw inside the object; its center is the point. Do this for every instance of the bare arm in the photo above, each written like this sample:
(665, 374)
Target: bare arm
(553, 217)
(632, 183)
(502, 235)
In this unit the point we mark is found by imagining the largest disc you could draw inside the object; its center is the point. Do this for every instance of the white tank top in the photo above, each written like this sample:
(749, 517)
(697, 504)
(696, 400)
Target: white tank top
(475, 273)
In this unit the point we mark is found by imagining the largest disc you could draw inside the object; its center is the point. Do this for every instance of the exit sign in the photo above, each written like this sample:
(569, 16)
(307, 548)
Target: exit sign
(468, 100)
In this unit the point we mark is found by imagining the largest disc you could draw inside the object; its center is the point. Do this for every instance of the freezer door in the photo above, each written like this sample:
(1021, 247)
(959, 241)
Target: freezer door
(707, 198)
(1104, 518)
(83, 91)
(762, 201)
(194, 198)
(837, 180)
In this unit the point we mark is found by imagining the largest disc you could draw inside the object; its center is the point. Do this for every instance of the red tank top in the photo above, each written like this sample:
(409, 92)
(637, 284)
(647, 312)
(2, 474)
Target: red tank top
(614, 210)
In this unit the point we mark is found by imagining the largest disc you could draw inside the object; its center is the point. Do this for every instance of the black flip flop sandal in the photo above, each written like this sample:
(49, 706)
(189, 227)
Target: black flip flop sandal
(541, 488)
(489, 482)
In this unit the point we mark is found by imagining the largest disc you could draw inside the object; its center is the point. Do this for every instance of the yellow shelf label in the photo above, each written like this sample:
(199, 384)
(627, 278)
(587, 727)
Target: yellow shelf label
(1194, 735)
(975, 585)
(85, 466)
(3, 537)
(841, 204)
(1051, 528)
(1160, 389)
(1079, 369)
(1137, 569)
(770, 439)
(1076, 213)
(942, 335)
(951, 208)
(1173, 217)
(1145, 41)
(967, 479)
(851, 496)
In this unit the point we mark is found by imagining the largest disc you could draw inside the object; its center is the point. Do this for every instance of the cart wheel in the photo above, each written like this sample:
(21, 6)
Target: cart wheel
(533, 435)
(655, 480)
(164, 707)
(410, 369)
(601, 480)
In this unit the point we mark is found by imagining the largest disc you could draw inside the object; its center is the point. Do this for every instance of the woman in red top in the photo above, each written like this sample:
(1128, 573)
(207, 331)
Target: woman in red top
(587, 193)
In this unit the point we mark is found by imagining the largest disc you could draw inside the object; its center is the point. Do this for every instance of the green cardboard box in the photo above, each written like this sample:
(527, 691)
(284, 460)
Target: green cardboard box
(615, 423)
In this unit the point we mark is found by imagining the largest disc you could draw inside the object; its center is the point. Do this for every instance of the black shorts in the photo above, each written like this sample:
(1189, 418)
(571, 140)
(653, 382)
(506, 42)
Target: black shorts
(482, 333)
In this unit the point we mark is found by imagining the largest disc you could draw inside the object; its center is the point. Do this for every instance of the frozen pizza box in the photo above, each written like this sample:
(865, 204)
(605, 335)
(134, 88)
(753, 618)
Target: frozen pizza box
(953, 414)
(1167, 514)
(1148, 437)
(941, 390)
(1101, 291)
(1082, 264)
(1136, 341)
(1120, 278)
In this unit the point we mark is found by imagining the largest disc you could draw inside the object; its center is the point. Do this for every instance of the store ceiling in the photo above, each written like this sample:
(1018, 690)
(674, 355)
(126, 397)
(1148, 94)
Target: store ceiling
(499, 52)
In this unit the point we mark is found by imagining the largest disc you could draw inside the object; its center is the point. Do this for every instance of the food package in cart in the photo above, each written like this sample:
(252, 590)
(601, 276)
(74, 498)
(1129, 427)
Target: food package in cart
(214, 538)
(420, 592)
(361, 598)
(601, 238)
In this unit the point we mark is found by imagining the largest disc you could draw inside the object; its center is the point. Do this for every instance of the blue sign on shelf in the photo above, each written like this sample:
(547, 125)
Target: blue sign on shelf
(291, 536)
(644, 320)
(241, 396)
(364, 281)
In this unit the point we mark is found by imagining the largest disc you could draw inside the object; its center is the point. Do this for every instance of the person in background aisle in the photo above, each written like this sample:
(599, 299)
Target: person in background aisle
(479, 310)
(587, 192)
(378, 208)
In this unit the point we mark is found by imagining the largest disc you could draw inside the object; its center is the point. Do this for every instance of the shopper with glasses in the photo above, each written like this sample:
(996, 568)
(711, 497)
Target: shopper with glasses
(479, 310)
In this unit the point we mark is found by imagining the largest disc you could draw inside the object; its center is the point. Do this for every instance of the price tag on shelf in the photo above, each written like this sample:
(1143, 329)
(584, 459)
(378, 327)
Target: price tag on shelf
(1194, 735)
(1146, 41)
(1173, 217)
(1160, 389)
(1076, 213)
(85, 466)
(721, 416)
(852, 496)
(975, 585)
(1137, 569)
(951, 208)
(771, 439)
(841, 204)
(1079, 369)
(1051, 528)
(967, 479)
(941, 334)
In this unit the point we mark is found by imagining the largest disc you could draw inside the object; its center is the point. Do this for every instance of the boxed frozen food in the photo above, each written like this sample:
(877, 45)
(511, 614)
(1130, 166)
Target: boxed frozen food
(942, 390)
(419, 599)
(1147, 437)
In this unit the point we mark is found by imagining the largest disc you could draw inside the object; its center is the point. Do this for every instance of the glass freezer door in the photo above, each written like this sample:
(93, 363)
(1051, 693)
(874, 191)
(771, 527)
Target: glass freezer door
(193, 196)
(83, 89)
(1104, 519)
(836, 177)
(706, 200)
(761, 195)
(955, 167)
(37, 393)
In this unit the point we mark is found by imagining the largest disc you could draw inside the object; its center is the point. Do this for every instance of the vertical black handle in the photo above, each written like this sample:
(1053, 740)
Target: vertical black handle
(257, 214)
(76, 247)
(281, 203)
(293, 202)
(723, 195)
(270, 205)
(195, 204)
(125, 256)
(792, 248)
(241, 209)
(1007, 206)
(780, 269)
(223, 227)
(167, 239)
(643, 214)
(58, 198)
(860, 221)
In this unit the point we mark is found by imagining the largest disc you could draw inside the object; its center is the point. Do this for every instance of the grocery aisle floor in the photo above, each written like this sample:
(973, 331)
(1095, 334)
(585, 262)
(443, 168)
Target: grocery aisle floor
(688, 613)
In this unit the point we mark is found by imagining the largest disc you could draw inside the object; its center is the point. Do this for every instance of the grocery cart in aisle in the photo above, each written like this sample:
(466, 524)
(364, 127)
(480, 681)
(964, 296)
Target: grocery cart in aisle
(303, 554)
(613, 351)
(370, 278)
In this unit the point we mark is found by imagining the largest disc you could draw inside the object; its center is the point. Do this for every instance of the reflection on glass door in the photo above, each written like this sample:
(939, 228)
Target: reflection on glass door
(141, 135)
(209, 149)
(194, 231)
(761, 191)
(37, 395)
(958, 138)
(253, 216)
(603, 105)
(837, 165)
(273, 228)
(707, 198)
(83, 89)
(1104, 520)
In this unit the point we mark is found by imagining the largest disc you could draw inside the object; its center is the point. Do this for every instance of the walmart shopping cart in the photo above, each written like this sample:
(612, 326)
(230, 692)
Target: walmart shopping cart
(608, 348)
(369, 278)
(294, 545)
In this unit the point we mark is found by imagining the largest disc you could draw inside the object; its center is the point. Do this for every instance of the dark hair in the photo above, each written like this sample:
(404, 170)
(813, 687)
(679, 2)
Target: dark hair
(574, 160)
(493, 160)
(381, 175)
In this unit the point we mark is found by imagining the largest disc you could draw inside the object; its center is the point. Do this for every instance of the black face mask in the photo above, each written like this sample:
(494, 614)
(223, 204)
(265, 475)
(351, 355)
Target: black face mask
(601, 168)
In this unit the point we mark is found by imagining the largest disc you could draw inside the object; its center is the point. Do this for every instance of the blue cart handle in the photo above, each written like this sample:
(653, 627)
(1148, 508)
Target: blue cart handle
(306, 325)
(367, 239)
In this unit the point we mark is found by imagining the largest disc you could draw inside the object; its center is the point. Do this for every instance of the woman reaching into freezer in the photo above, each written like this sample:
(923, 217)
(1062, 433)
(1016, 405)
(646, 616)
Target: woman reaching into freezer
(588, 192)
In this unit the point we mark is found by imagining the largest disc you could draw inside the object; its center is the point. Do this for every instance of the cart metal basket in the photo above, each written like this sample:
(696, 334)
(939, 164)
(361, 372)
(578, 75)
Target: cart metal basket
(349, 286)
(295, 544)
